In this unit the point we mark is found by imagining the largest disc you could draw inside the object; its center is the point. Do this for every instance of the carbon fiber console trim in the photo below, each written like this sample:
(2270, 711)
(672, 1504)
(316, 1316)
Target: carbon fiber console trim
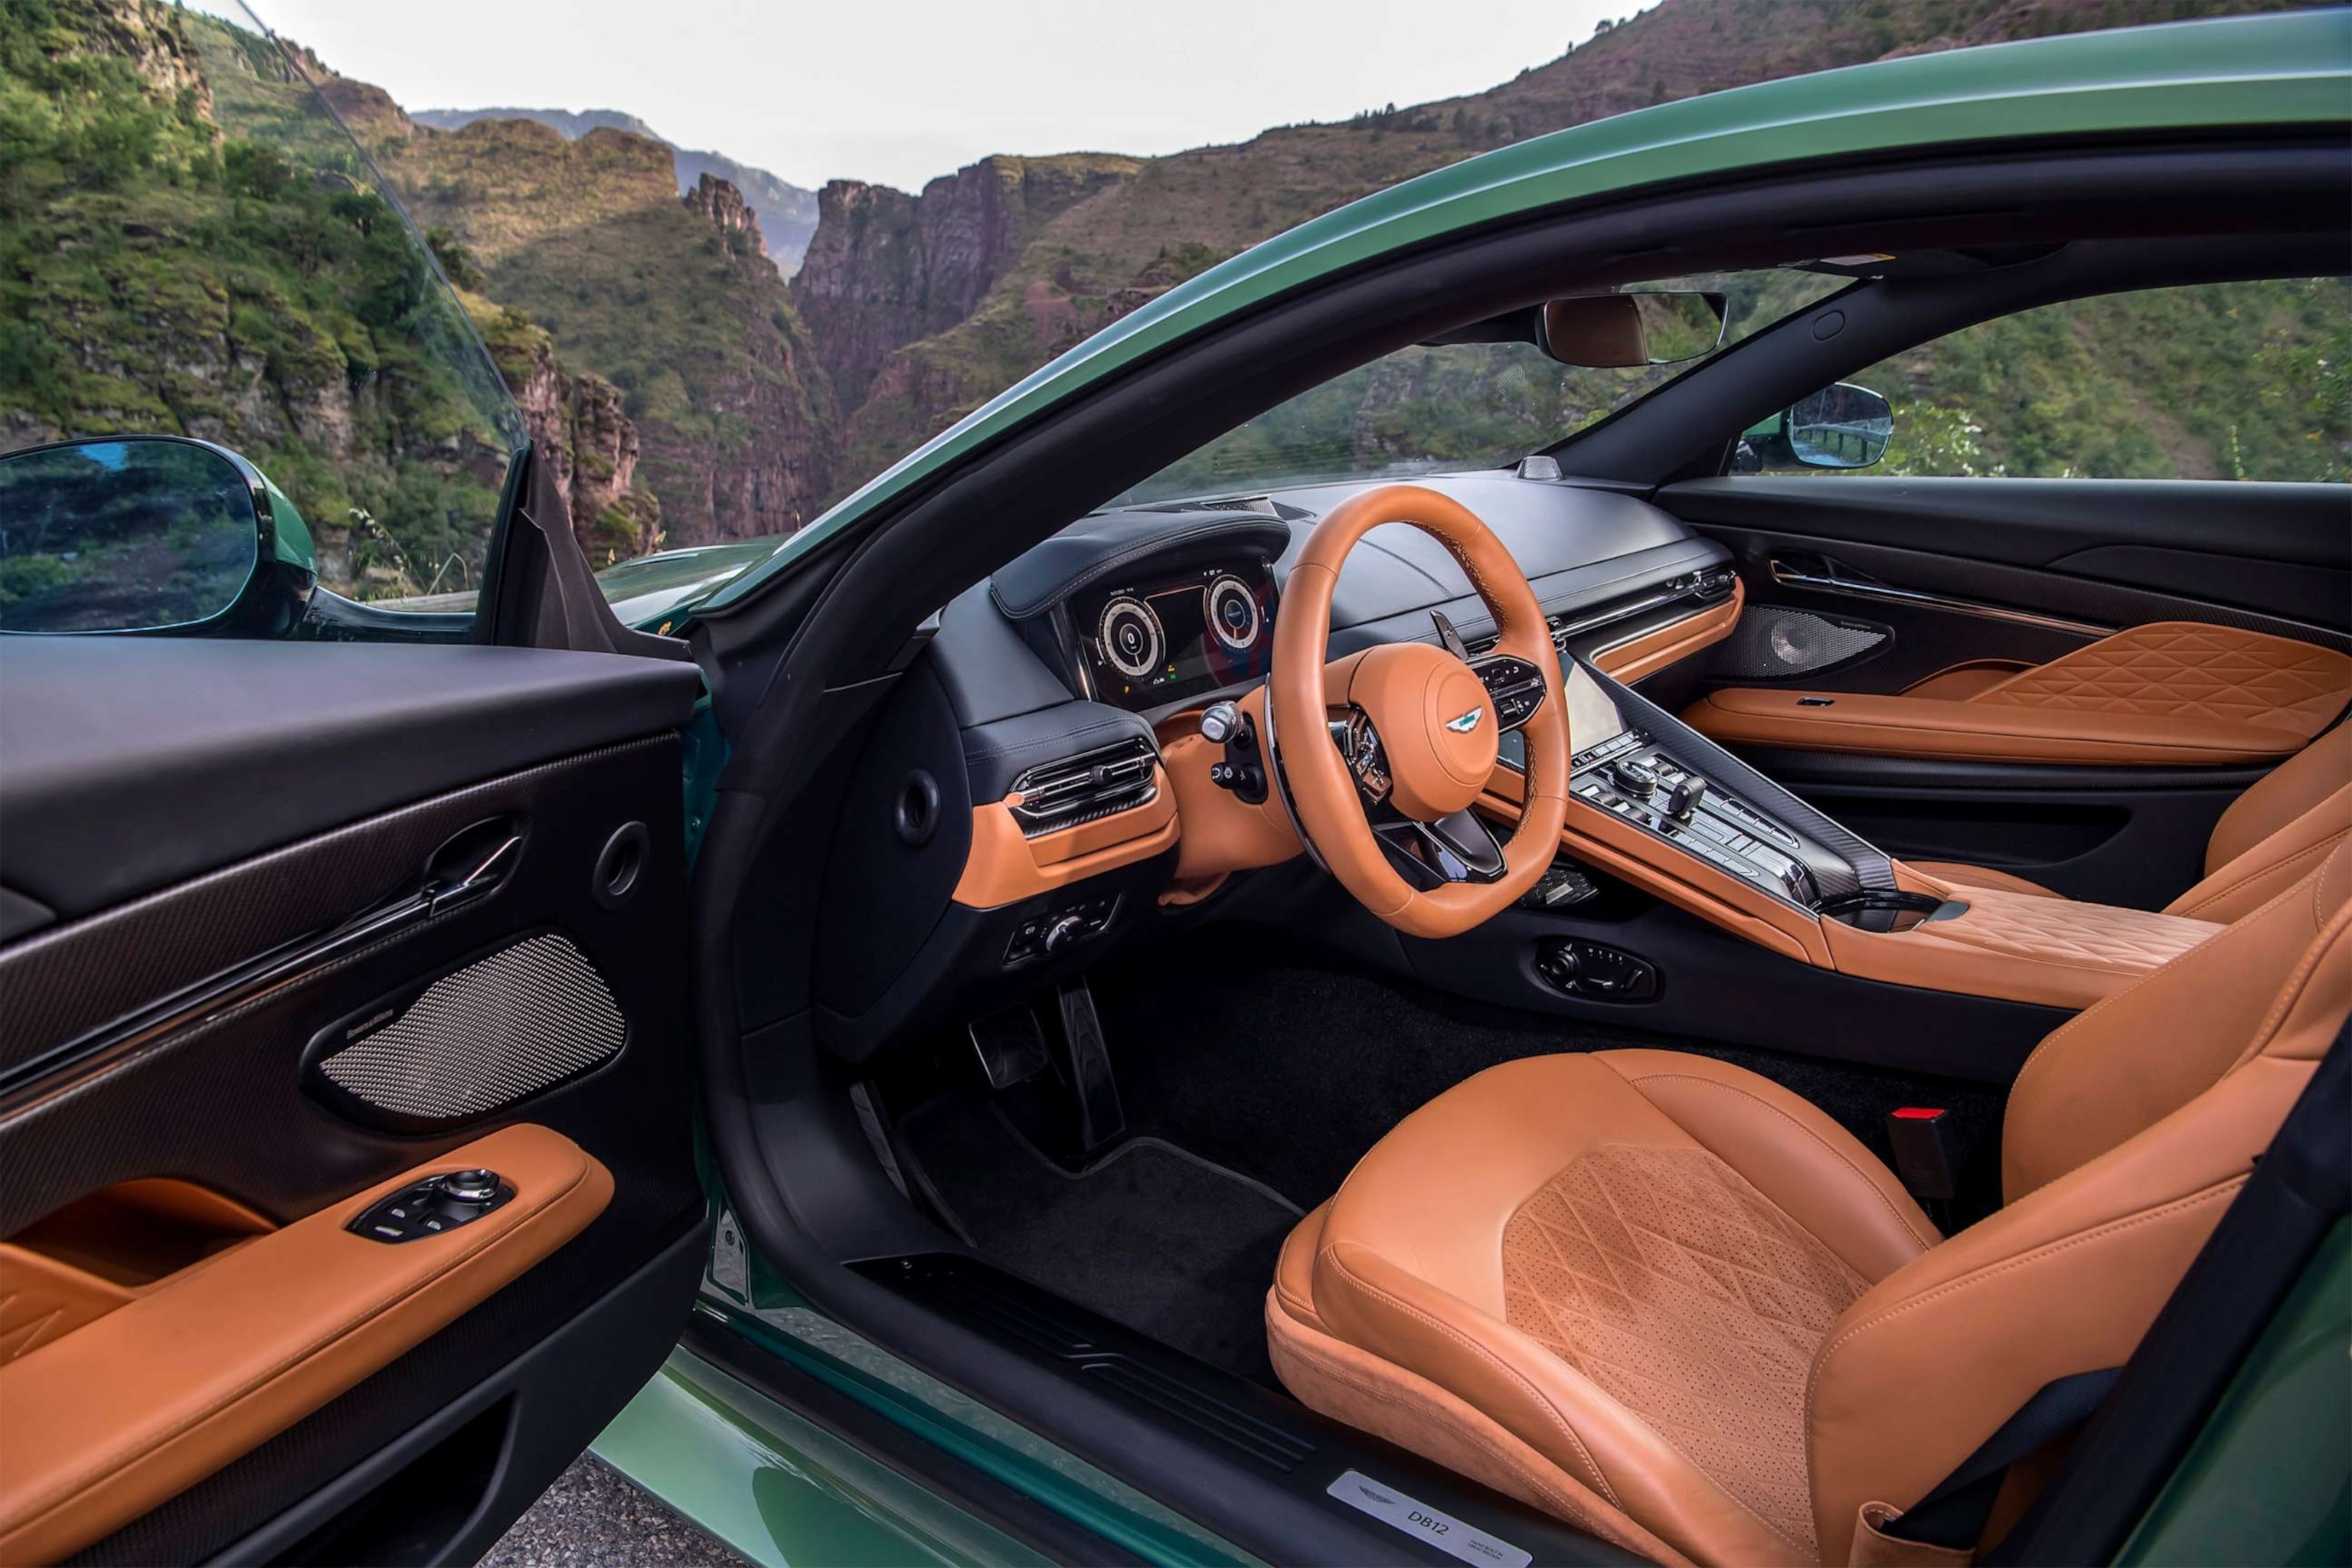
(1872, 868)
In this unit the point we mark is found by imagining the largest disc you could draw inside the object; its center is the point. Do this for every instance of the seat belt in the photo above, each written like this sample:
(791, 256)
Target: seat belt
(1953, 1515)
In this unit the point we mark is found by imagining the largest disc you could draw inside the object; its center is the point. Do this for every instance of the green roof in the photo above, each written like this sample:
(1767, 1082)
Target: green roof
(2279, 70)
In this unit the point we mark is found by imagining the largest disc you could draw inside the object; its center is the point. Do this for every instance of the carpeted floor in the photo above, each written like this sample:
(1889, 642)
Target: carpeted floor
(1288, 1069)
(1150, 1237)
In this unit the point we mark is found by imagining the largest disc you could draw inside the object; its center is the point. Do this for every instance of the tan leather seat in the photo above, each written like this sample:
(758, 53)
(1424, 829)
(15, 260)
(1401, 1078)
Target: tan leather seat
(2275, 832)
(1670, 1302)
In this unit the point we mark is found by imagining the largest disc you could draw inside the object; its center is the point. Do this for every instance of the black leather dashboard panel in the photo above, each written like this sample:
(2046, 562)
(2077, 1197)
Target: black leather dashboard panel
(1551, 527)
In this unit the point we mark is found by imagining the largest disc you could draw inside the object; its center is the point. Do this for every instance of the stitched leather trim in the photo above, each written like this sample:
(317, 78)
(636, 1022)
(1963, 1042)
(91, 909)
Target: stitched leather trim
(2320, 851)
(1559, 1422)
(1861, 1175)
(1975, 1278)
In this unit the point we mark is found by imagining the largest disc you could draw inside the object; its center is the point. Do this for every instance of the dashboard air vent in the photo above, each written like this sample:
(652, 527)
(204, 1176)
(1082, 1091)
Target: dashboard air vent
(1118, 777)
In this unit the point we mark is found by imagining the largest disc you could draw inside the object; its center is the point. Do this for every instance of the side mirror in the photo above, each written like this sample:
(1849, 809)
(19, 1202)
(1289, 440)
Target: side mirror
(1627, 332)
(1839, 427)
(146, 534)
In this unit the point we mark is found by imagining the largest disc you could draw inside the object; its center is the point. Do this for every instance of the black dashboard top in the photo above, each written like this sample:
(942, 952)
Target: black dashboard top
(1043, 630)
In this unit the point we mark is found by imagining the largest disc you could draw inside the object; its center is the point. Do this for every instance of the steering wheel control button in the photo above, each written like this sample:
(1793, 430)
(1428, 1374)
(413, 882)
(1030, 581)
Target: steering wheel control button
(1596, 973)
(433, 1206)
(1515, 686)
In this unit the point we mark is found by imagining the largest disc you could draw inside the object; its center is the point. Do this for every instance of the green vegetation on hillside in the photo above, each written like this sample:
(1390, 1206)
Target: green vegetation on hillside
(2234, 380)
(589, 240)
(186, 246)
(1462, 406)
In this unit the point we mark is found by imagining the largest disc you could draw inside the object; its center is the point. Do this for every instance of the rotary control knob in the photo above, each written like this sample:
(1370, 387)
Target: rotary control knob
(1221, 722)
(476, 1186)
(1063, 932)
(1633, 776)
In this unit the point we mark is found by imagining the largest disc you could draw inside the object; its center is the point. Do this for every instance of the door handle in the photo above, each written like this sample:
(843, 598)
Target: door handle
(468, 867)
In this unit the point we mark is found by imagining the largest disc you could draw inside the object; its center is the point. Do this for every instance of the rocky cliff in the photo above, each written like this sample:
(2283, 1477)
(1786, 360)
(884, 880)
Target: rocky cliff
(670, 299)
(786, 212)
(886, 268)
(578, 426)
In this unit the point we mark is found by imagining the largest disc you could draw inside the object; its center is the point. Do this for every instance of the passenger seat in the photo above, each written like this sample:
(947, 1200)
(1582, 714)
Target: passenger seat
(2271, 836)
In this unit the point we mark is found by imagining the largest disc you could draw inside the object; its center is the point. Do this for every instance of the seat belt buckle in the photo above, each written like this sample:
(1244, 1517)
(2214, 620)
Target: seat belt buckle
(1923, 1155)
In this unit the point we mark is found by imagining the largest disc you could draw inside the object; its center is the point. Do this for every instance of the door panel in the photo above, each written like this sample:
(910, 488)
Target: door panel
(1883, 585)
(2112, 551)
(456, 958)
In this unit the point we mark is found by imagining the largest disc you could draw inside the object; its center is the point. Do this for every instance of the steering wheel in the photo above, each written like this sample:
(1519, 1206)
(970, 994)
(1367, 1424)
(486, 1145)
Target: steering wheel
(1378, 756)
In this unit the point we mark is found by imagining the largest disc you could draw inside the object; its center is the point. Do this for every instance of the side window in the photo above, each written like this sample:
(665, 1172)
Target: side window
(2224, 381)
(192, 248)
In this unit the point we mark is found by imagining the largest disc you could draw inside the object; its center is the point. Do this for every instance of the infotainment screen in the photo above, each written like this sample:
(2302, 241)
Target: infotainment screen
(1165, 639)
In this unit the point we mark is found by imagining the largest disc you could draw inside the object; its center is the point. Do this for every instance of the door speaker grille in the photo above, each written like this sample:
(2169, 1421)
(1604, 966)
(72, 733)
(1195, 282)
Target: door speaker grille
(476, 1040)
(1770, 644)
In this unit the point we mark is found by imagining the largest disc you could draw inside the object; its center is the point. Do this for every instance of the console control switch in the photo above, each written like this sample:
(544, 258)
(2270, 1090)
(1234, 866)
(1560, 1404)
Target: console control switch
(1596, 973)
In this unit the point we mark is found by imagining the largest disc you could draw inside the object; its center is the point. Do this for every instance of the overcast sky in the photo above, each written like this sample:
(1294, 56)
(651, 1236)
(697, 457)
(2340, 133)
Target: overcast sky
(902, 90)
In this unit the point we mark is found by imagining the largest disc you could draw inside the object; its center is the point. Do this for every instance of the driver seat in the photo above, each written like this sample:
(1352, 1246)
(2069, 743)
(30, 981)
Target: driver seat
(1668, 1300)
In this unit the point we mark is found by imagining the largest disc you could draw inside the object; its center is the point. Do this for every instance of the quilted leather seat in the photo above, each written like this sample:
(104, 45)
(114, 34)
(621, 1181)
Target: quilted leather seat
(1674, 1303)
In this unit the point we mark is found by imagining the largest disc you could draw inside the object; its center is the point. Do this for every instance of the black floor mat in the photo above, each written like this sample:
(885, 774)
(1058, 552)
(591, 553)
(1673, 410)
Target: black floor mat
(1150, 1237)
(1287, 1069)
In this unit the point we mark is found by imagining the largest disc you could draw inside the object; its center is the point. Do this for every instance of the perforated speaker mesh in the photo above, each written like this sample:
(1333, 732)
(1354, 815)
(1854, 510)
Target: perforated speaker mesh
(1769, 643)
(504, 1026)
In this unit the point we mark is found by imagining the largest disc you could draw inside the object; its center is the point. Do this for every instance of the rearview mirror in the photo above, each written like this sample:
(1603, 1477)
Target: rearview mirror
(1839, 427)
(1625, 332)
(135, 534)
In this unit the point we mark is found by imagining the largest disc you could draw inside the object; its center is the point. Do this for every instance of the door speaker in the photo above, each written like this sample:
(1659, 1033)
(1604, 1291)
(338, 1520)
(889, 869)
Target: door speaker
(1771, 644)
(504, 1026)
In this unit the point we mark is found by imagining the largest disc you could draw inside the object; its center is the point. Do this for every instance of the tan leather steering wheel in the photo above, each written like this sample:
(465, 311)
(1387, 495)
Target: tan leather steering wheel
(1390, 815)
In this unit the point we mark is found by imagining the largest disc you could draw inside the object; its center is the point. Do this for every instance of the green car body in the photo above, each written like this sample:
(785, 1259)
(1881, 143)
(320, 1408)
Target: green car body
(781, 1489)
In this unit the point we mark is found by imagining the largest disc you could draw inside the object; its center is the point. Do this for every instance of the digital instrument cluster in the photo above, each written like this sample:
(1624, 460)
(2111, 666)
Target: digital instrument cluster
(1159, 642)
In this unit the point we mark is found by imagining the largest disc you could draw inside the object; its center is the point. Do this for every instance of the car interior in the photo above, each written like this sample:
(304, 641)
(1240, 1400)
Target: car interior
(1627, 1005)
(1734, 907)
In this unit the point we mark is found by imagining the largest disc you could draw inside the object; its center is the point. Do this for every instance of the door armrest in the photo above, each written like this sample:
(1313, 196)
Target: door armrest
(102, 1423)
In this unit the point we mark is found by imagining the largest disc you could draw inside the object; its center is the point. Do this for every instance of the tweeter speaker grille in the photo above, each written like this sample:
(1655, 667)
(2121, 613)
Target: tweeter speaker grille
(1770, 644)
(477, 1039)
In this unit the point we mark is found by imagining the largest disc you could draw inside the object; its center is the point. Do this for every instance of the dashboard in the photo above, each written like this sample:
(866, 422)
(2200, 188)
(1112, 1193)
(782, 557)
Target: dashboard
(1162, 637)
(1021, 793)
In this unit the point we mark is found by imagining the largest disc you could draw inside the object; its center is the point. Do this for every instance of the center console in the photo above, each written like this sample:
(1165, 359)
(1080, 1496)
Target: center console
(1681, 791)
(1631, 774)
(1662, 806)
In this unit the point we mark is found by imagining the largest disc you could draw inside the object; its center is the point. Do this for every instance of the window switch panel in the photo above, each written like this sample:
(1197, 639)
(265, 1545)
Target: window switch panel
(431, 1206)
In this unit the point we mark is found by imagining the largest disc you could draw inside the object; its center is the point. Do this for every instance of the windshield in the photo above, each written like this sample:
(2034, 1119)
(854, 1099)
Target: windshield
(1435, 408)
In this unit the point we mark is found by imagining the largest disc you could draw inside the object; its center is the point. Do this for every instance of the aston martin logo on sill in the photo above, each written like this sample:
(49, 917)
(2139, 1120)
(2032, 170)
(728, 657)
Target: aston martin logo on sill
(1467, 722)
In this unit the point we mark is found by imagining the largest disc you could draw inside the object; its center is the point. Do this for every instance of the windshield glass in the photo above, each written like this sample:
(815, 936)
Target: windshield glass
(1435, 408)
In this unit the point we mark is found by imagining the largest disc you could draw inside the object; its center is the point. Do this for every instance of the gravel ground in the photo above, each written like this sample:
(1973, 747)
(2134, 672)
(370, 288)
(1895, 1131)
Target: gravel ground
(593, 1515)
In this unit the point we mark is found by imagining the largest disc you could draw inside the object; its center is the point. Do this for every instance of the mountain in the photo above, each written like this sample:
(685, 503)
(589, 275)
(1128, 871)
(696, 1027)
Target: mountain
(160, 271)
(787, 213)
(186, 245)
(875, 294)
(672, 299)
